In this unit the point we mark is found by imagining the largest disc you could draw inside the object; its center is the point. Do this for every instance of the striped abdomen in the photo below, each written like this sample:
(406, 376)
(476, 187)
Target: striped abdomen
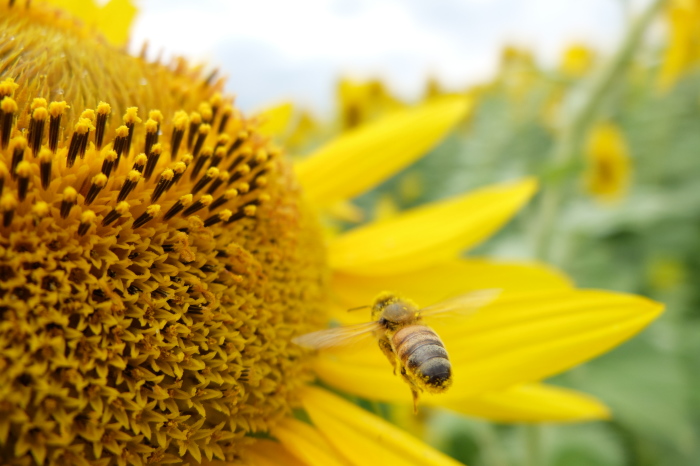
(423, 355)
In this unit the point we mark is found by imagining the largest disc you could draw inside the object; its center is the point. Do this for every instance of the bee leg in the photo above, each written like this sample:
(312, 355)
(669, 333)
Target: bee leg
(388, 351)
(415, 401)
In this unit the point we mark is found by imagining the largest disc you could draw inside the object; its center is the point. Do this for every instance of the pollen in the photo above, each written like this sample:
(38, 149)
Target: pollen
(156, 257)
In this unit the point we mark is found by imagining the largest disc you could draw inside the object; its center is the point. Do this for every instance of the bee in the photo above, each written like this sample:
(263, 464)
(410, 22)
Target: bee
(414, 350)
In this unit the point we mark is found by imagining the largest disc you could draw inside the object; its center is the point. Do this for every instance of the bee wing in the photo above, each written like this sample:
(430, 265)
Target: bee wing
(337, 336)
(462, 305)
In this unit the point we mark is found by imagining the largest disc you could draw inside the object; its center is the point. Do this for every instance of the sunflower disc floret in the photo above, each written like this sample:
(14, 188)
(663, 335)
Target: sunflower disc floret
(155, 258)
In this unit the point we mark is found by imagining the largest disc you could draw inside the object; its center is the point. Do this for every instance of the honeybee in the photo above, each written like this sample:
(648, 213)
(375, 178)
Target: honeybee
(412, 348)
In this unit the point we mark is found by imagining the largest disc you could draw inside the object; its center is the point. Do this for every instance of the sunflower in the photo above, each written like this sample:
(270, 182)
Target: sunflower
(608, 170)
(682, 50)
(158, 254)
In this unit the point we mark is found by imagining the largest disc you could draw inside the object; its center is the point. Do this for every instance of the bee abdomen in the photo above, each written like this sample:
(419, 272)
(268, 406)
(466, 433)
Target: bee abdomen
(422, 352)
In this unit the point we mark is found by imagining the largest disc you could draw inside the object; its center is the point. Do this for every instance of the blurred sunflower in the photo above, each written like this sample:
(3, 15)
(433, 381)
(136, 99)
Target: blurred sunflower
(608, 169)
(157, 256)
(683, 48)
(576, 61)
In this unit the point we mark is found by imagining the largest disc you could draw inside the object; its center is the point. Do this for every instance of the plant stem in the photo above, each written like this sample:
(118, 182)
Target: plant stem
(579, 120)
(533, 445)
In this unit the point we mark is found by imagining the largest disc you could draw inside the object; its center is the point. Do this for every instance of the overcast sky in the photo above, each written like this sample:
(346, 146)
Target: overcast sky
(295, 49)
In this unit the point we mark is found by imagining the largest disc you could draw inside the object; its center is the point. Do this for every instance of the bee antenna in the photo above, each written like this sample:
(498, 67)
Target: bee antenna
(359, 308)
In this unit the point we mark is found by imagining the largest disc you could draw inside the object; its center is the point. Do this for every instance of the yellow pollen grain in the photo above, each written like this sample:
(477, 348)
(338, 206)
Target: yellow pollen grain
(261, 181)
(207, 151)
(41, 209)
(99, 180)
(89, 114)
(243, 187)
(220, 152)
(111, 156)
(179, 168)
(206, 199)
(8, 105)
(206, 111)
(195, 118)
(140, 159)
(131, 116)
(230, 193)
(167, 174)
(250, 210)
(24, 169)
(156, 115)
(38, 102)
(88, 216)
(8, 86)
(186, 159)
(216, 99)
(213, 172)
(103, 108)
(223, 139)
(224, 175)
(260, 156)
(225, 214)
(243, 169)
(56, 109)
(83, 126)
(122, 131)
(227, 110)
(151, 125)
(70, 195)
(180, 120)
(264, 197)
(204, 129)
(246, 151)
(122, 207)
(153, 210)
(8, 202)
(45, 155)
(133, 176)
(186, 199)
(157, 149)
(40, 113)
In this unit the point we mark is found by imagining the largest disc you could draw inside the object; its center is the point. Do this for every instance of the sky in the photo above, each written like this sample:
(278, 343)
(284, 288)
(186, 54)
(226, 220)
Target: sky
(276, 50)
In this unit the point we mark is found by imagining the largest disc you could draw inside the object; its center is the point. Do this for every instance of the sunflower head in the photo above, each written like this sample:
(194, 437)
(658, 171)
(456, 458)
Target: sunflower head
(155, 257)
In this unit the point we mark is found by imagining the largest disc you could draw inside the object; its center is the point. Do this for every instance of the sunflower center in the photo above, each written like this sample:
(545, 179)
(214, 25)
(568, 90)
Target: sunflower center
(155, 258)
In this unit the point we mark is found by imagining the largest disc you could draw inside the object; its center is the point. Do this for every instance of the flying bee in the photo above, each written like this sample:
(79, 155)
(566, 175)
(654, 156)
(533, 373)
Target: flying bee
(412, 348)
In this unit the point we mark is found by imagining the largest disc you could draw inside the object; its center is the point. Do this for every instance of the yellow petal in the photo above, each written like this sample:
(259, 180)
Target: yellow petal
(268, 453)
(305, 443)
(364, 438)
(275, 120)
(433, 284)
(360, 159)
(528, 403)
(113, 19)
(515, 340)
(430, 234)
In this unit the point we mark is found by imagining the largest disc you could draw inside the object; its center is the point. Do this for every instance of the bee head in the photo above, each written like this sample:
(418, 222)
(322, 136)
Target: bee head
(390, 310)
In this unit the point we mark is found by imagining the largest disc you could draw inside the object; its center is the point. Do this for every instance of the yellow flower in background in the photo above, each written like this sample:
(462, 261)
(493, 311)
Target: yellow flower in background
(683, 47)
(361, 102)
(158, 256)
(577, 60)
(518, 72)
(608, 169)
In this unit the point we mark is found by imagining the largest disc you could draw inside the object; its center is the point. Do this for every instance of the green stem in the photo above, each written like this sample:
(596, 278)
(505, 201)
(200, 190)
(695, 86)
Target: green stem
(579, 121)
(533, 445)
